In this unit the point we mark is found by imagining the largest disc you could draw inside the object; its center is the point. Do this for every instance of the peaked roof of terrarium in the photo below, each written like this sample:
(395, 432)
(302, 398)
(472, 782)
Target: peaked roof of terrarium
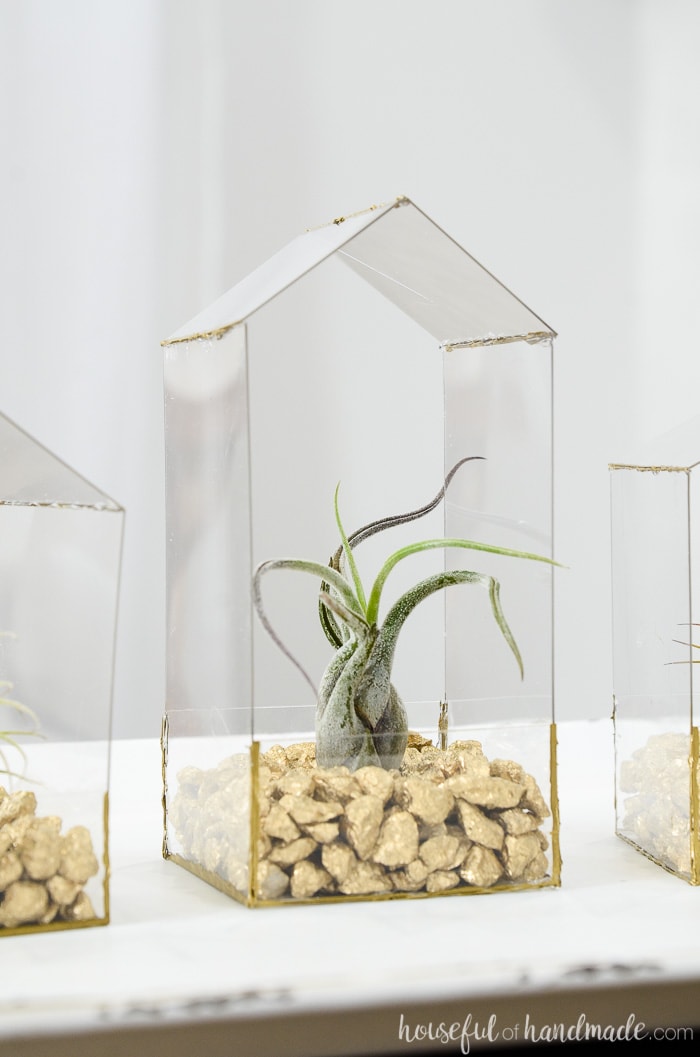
(31, 475)
(408, 258)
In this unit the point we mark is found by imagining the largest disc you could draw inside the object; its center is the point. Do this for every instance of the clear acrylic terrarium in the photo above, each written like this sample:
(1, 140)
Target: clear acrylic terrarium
(655, 563)
(60, 553)
(283, 784)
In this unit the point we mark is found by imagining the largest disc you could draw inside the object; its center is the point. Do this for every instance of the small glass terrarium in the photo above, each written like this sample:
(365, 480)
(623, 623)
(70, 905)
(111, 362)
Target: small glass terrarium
(60, 552)
(656, 649)
(360, 573)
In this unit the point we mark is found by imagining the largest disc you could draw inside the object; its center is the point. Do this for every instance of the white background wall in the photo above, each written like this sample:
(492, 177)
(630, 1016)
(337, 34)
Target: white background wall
(154, 151)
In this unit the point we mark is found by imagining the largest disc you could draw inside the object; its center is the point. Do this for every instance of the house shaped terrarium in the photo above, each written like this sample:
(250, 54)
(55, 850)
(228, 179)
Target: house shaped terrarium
(656, 610)
(359, 443)
(60, 553)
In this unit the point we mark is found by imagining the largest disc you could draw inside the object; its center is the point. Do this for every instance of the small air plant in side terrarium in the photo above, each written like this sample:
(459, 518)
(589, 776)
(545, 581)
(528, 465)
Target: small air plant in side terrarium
(372, 808)
(10, 734)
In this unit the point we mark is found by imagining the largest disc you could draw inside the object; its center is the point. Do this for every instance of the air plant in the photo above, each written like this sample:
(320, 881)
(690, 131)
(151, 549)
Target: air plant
(693, 645)
(8, 738)
(360, 718)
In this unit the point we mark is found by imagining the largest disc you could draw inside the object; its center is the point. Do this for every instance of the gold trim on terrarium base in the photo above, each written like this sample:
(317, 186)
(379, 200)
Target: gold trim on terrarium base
(554, 805)
(692, 875)
(228, 889)
(62, 926)
(253, 899)
(694, 806)
(164, 731)
(210, 877)
(691, 880)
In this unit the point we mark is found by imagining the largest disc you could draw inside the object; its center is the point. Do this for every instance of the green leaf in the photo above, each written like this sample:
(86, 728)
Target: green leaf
(341, 736)
(322, 572)
(494, 594)
(5, 769)
(397, 615)
(24, 710)
(354, 623)
(372, 610)
(328, 624)
(349, 556)
(333, 673)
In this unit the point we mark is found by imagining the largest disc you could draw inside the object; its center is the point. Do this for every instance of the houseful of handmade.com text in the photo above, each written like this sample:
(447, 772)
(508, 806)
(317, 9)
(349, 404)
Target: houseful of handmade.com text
(470, 1031)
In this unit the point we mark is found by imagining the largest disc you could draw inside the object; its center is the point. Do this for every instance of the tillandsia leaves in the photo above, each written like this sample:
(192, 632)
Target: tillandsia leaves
(360, 718)
(332, 632)
(693, 645)
(8, 738)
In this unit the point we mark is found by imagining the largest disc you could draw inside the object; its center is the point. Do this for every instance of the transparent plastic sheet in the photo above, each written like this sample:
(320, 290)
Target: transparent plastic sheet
(340, 379)
(408, 258)
(60, 553)
(654, 659)
(208, 524)
(498, 406)
(267, 824)
(207, 796)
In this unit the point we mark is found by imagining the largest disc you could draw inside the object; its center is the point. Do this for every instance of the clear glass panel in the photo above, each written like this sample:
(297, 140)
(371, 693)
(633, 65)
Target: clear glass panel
(498, 407)
(31, 474)
(208, 518)
(692, 634)
(208, 721)
(404, 255)
(262, 285)
(370, 375)
(59, 568)
(343, 388)
(207, 796)
(652, 660)
(414, 264)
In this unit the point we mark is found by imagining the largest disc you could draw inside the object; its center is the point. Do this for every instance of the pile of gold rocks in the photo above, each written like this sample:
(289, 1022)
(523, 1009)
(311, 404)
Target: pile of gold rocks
(657, 813)
(42, 872)
(446, 820)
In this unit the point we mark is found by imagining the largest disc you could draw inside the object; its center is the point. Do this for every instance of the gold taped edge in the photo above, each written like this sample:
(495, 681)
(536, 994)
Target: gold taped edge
(204, 335)
(211, 878)
(468, 890)
(61, 926)
(652, 858)
(694, 806)
(400, 200)
(252, 900)
(54, 926)
(220, 332)
(105, 856)
(693, 878)
(164, 729)
(254, 822)
(383, 897)
(533, 338)
(554, 806)
(379, 897)
(647, 469)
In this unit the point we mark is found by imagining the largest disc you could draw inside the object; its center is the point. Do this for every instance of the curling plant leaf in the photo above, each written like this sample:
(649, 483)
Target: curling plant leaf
(360, 718)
